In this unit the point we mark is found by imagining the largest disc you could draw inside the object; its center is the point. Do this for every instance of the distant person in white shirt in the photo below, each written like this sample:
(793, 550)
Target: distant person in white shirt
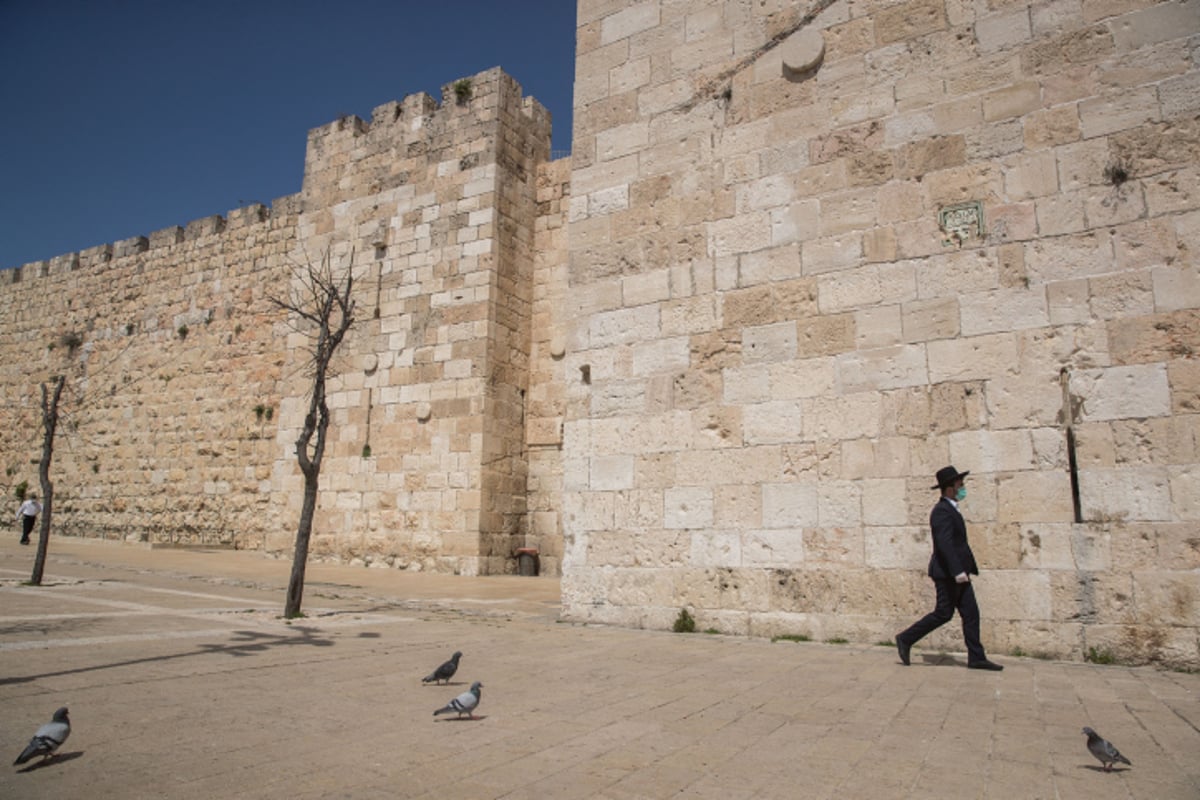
(27, 515)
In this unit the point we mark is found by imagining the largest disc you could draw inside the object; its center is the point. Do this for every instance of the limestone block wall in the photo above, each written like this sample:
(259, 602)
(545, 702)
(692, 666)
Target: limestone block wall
(172, 369)
(818, 250)
(432, 205)
(522, 145)
(545, 404)
(189, 386)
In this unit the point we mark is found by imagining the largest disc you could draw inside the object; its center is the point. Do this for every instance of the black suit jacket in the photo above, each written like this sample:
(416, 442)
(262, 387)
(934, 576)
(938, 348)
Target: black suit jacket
(951, 553)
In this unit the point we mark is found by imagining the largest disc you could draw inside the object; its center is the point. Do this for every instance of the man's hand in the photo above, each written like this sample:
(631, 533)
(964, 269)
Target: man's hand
(962, 577)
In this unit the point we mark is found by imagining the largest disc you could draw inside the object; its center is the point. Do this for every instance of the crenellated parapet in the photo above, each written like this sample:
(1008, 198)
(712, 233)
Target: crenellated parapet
(415, 139)
(98, 256)
(350, 157)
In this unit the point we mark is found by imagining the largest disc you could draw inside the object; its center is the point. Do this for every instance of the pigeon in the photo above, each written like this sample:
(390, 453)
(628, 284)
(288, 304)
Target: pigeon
(445, 672)
(465, 703)
(48, 738)
(1103, 750)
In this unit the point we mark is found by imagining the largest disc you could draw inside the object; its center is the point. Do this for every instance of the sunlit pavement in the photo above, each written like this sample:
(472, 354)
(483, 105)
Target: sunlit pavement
(183, 681)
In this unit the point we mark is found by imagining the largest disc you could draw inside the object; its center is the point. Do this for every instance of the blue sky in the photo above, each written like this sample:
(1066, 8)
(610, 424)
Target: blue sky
(122, 117)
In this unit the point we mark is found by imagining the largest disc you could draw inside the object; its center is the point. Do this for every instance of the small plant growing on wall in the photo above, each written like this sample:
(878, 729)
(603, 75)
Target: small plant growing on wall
(130, 328)
(182, 331)
(1100, 655)
(685, 622)
(366, 453)
(1118, 172)
(462, 90)
(71, 341)
(20, 489)
(260, 411)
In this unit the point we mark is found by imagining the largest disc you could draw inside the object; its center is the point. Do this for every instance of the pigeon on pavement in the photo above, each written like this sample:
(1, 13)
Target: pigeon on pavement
(445, 672)
(465, 703)
(48, 738)
(1103, 750)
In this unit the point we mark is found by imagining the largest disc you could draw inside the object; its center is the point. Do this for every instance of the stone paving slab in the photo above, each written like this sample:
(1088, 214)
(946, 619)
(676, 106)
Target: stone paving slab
(184, 682)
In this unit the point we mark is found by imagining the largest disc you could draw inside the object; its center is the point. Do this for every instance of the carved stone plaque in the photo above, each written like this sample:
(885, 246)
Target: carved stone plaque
(961, 222)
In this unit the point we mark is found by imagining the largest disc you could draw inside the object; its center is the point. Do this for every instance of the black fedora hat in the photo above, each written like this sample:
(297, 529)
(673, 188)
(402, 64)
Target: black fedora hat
(946, 476)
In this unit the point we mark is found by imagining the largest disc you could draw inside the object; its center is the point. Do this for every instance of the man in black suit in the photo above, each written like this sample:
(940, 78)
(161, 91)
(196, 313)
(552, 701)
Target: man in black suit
(951, 568)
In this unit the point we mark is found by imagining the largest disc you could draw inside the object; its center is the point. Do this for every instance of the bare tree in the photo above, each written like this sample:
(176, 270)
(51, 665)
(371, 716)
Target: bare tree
(50, 400)
(51, 406)
(52, 412)
(321, 300)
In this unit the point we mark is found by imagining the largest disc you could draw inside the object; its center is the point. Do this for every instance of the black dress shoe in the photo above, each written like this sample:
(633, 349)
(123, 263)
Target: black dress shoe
(903, 649)
(994, 667)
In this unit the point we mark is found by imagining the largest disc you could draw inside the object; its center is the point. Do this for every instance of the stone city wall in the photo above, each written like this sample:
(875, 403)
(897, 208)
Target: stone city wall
(803, 255)
(819, 250)
(171, 355)
(188, 386)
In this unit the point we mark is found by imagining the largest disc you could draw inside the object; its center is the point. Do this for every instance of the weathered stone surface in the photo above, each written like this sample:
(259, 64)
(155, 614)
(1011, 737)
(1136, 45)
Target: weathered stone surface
(909, 19)
(883, 368)
(1140, 494)
(1150, 339)
(714, 357)
(1122, 392)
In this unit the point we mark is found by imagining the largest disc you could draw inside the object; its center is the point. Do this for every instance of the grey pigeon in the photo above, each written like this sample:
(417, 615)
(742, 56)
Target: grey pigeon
(445, 672)
(465, 703)
(1103, 750)
(48, 738)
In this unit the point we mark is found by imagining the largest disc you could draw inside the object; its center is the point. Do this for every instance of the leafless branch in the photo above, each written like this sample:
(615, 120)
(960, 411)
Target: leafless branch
(323, 299)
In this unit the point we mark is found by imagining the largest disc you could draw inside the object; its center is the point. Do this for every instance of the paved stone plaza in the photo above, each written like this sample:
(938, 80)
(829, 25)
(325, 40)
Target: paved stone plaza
(184, 682)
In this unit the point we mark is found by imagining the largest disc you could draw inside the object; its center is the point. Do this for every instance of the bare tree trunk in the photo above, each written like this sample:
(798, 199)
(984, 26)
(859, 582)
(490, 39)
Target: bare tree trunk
(295, 590)
(49, 426)
(328, 306)
(318, 418)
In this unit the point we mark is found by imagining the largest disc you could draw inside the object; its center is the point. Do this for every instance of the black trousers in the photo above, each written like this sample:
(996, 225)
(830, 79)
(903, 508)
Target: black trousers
(26, 526)
(951, 596)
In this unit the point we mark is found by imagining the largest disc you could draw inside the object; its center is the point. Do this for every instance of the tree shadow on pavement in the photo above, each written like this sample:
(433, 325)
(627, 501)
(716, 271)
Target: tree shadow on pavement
(244, 643)
(46, 627)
